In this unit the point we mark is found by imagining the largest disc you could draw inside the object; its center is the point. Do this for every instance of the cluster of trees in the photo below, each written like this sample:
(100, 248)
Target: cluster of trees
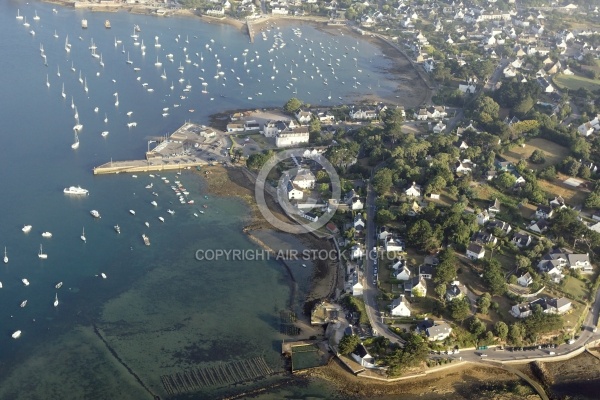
(257, 160)
(348, 344)
(413, 354)
(519, 97)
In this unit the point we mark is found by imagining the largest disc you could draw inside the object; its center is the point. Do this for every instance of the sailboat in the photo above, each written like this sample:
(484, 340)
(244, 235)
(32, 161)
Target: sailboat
(72, 67)
(329, 97)
(157, 63)
(5, 256)
(85, 87)
(80, 78)
(128, 60)
(36, 18)
(63, 94)
(78, 126)
(117, 100)
(75, 145)
(83, 235)
(76, 116)
(101, 62)
(47, 82)
(67, 45)
(105, 118)
(164, 74)
(55, 34)
(58, 71)
(41, 254)
(56, 300)
(19, 16)
(72, 103)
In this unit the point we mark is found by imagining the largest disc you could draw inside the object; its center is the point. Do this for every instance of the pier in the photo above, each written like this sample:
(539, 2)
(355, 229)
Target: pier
(187, 147)
(217, 375)
(250, 30)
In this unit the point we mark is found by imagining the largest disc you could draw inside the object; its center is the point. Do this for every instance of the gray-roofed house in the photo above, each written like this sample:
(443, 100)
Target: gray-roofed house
(416, 286)
(475, 251)
(494, 208)
(362, 356)
(426, 271)
(521, 240)
(400, 307)
(439, 331)
(500, 225)
(580, 261)
(456, 291)
(525, 280)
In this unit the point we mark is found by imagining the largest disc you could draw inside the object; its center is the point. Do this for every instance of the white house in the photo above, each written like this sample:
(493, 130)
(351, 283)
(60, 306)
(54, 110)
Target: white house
(303, 117)
(392, 244)
(362, 356)
(400, 307)
(356, 252)
(292, 137)
(357, 289)
(439, 331)
(580, 261)
(439, 127)
(304, 179)
(293, 192)
(475, 251)
(525, 280)
(413, 191)
(403, 273)
(483, 217)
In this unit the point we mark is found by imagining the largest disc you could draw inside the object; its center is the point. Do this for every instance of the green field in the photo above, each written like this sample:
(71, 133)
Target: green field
(554, 153)
(575, 288)
(574, 82)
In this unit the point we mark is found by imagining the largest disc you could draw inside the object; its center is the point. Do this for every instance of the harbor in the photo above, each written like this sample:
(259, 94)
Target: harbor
(189, 146)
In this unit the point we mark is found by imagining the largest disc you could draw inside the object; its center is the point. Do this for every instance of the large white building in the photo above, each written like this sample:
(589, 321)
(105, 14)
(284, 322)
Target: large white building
(293, 137)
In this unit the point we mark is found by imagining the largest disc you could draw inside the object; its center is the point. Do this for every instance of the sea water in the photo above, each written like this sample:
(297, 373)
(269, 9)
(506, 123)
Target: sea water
(159, 310)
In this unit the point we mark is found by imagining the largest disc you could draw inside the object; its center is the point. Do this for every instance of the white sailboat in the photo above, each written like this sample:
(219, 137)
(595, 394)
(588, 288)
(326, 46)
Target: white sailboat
(105, 118)
(85, 87)
(19, 16)
(23, 303)
(72, 67)
(67, 45)
(36, 17)
(75, 144)
(83, 235)
(5, 256)
(117, 100)
(157, 63)
(55, 34)
(56, 300)
(47, 81)
(80, 78)
(41, 254)
(101, 62)
(128, 60)
(63, 94)
(72, 103)
(58, 71)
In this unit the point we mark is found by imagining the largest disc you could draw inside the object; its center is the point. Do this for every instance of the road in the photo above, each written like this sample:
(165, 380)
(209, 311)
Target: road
(370, 291)
(496, 75)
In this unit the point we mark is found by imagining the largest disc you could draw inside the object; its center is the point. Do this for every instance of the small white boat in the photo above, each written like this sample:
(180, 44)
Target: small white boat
(131, 212)
(47, 234)
(58, 285)
(95, 213)
(0, 285)
(161, 219)
(195, 215)
(26, 228)
(23, 303)
(171, 212)
(149, 186)
(147, 224)
(134, 176)
(83, 236)
(17, 334)
(25, 281)
(5, 256)
(129, 113)
(117, 228)
(103, 275)
(146, 240)
(19, 16)
(131, 124)
(41, 254)
(96, 109)
(154, 203)
(56, 300)
(104, 134)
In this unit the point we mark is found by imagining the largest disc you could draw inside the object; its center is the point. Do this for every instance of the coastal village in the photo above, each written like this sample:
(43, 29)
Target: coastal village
(468, 225)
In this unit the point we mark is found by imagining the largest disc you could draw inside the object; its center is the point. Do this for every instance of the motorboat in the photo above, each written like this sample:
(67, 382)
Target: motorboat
(76, 190)
(117, 228)
(95, 213)
(25, 281)
(47, 234)
(147, 224)
(41, 254)
(56, 300)
(26, 228)
(146, 240)
(75, 144)
(23, 303)
(58, 285)
(16, 335)
(104, 133)
(131, 124)
(83, 235)
(161, 219)
(84, 23)
(5, 256)
(103, 275)
(149, 186)
(131, 212)
(171, 212)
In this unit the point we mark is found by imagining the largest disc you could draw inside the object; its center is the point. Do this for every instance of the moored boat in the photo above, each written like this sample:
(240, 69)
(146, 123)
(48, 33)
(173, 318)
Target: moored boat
(47, 234)
(117, 228)
(146, 240)
(95, 213)
(84, 23)
(26, 228)
(107, 24)
(76, 190)
(16, 335)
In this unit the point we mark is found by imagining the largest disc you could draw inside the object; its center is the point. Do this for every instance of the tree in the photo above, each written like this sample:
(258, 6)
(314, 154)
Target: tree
(522, 262)
(384, 217)
(459, 309)
(494, 278)
(476, 327)
(505, 180)
(348, 343)
(501, 330)
(256, 161)
(315, 126)
(486, 109)
(419, 233)
(440, 290)
(537, 157)
(292, 105)
(484, 302)
(382, 181)
(445, 272)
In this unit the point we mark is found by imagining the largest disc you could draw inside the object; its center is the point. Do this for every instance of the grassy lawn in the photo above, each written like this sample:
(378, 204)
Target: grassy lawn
(574, 82)
(554, 153)
(573, 196)
(263, 142)
(575, 288)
